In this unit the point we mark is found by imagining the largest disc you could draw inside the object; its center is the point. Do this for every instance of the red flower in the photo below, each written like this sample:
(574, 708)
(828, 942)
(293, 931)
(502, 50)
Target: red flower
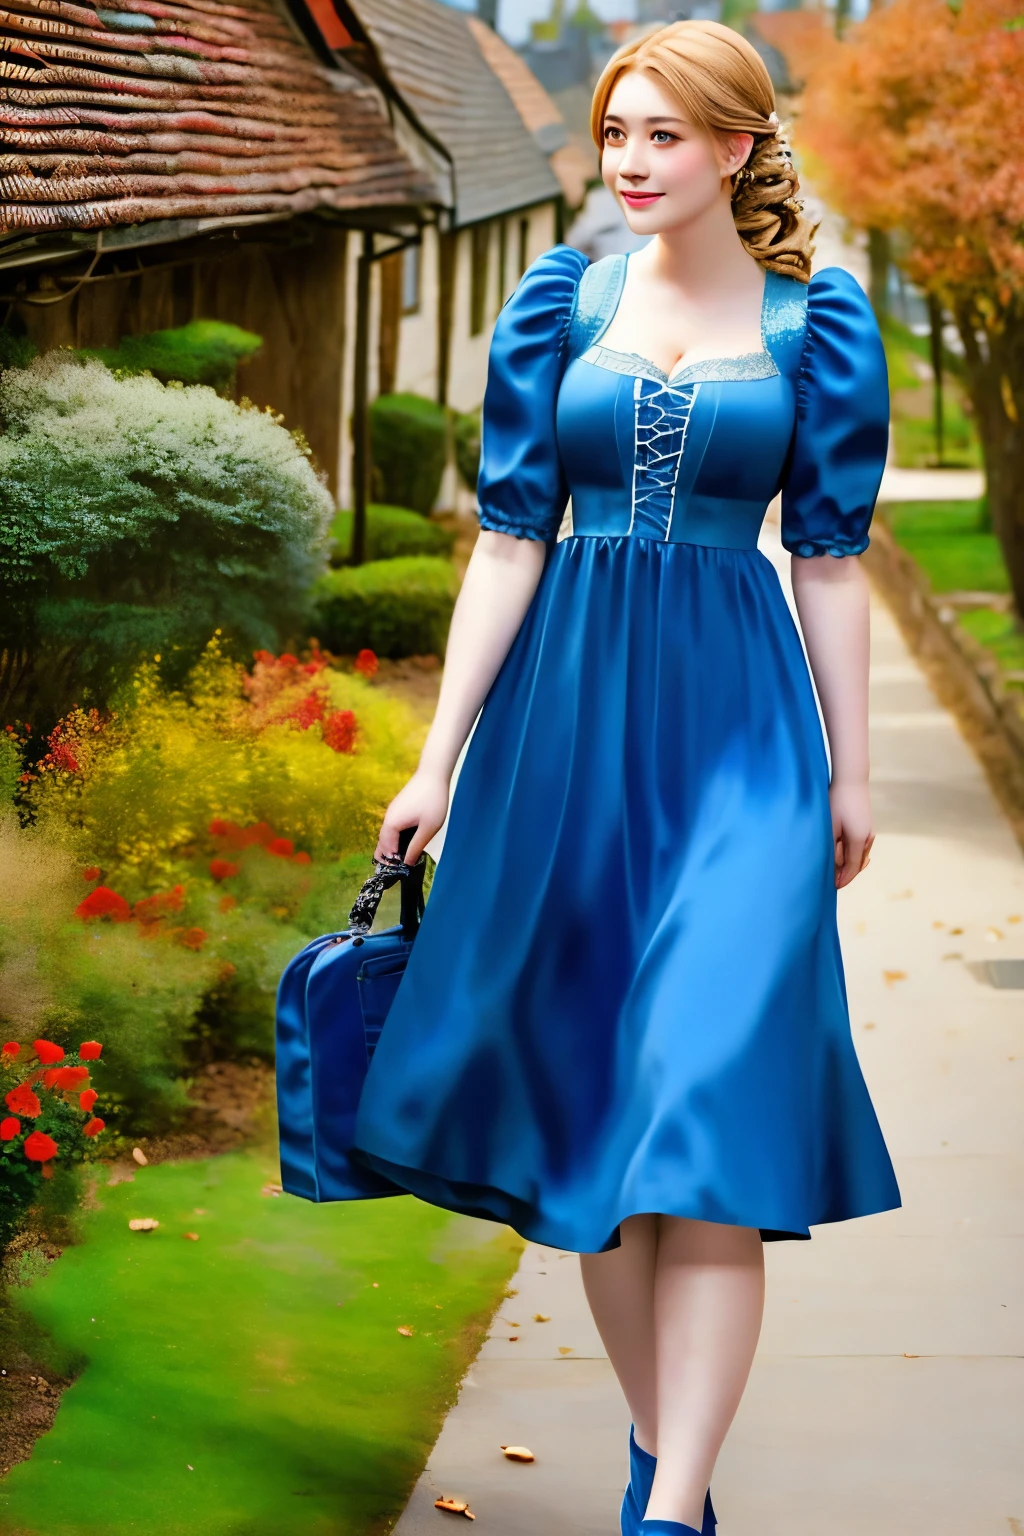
(339, 731)
(218, 828)
(39, 1147)
(66, 1077)
(286, 659)
(89, 1050)
(94, 1126)
(223, 869)
(22, 1101)
(91, 872)
(9, 1128)
(192, 938)
(103, 902)
(12, 1048)
(227, 903)
(47, 1052)
(283, 847)
(302, 858)
(47, 1170)
(366, 662)
(87, 1098)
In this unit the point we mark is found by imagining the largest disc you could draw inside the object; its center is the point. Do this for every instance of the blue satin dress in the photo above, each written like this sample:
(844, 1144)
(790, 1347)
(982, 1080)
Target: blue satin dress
(627, 992)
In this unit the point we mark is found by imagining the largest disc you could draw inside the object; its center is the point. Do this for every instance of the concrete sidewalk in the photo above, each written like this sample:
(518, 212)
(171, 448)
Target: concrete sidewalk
(887, 1398)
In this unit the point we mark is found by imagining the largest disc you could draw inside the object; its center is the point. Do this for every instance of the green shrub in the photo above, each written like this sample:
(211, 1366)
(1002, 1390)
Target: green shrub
(408, 446)
(15, 351)
(202, 352)
(395, 607)
(10, 768)
(391, 532)
(138, 518)
(467, 447)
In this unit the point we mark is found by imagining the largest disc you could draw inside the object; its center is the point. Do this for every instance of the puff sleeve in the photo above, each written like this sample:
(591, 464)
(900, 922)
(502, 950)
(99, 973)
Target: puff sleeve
(521, 487)
(842, 423)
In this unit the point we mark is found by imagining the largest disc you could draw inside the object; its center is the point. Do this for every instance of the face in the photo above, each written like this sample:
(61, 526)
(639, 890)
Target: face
(664, 170)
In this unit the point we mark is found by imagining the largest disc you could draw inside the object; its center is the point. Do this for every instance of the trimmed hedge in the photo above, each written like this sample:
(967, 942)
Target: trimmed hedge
(467, 447)
(201, 352)
(408, 449)
(397, 607)
(391, 532)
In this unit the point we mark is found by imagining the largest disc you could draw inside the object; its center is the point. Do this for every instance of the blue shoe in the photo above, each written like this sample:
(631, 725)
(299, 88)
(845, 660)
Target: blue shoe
(641, 1480)
(642, 1467)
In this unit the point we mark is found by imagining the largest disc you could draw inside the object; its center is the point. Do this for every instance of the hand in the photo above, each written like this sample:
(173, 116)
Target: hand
(423, 804)
(851, 830)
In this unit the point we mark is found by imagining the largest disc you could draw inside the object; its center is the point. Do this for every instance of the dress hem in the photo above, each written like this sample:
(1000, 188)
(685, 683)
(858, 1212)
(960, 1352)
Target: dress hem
(493, 1204)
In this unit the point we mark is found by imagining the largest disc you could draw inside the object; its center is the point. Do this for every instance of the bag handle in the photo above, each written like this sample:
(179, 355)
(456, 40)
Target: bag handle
(387, 873)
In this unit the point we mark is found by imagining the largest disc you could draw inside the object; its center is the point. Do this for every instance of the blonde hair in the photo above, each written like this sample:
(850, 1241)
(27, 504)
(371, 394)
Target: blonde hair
(722, 85)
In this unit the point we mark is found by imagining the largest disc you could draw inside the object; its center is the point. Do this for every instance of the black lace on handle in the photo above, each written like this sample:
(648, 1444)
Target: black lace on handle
(387, 873)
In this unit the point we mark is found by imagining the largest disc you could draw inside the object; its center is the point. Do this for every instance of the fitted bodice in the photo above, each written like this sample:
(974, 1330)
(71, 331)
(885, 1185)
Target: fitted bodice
(692, 457)
(692, 461)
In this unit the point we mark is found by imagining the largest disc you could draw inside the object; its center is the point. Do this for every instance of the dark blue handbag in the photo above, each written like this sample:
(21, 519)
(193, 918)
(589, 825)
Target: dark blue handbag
(332, 1001)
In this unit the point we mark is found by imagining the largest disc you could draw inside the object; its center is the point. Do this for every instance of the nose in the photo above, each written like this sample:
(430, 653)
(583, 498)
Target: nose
(632, 166)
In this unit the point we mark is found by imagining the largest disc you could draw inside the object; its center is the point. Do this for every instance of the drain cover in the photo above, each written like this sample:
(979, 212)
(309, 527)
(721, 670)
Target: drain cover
(999, 973)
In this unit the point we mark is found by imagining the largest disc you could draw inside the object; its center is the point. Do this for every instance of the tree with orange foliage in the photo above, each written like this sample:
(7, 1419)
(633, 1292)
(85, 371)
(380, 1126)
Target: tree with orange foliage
(917, 119)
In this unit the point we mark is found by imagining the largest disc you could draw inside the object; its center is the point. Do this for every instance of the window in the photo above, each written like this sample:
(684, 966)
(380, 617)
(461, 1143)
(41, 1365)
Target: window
(524, 245)
(480, 236)
(411, 270)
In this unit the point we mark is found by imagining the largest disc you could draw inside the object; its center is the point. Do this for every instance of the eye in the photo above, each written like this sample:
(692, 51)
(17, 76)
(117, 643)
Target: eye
(662, 136)
(613, 135)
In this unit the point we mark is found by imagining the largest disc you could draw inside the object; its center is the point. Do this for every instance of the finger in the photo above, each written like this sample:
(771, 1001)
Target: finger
(387, 842)
(853, 856)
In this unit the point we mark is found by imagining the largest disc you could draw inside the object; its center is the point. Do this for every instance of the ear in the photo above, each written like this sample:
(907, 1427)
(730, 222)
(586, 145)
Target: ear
(733, 151)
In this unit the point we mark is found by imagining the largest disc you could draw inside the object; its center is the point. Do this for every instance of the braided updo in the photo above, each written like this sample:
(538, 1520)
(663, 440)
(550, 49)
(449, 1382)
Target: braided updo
(721, 83)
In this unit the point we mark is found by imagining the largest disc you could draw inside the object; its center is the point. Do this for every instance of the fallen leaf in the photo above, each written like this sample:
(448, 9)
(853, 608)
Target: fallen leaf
(893, 976)
(956, 930)
(143, 1223)
(199, 1210)
(405, 1332)
(455, 1507)
(511, 1291)
(513, 1338)
(271, 1189)
(1015, 918)
(910, 1357)
(870, 1026)
(541, 1317)
(901, 895)
(140, 1156)
(193, 1237)
(954, 954)
(518, 1453)
(993, 935)
(190, 1468)
(565, 1349)
(938, 923)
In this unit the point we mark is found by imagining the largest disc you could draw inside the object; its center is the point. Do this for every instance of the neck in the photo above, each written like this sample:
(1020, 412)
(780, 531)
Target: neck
(704, 256)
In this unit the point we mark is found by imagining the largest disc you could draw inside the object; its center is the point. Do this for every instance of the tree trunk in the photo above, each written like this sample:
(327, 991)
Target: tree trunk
(995, 380)
(879, 262)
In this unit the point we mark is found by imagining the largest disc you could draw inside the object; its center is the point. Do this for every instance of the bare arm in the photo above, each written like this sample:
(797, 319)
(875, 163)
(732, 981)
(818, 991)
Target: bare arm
(497, 590)
(832, 601)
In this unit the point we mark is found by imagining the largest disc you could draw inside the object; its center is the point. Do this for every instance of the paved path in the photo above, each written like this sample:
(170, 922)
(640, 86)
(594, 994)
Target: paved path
(887, 1398)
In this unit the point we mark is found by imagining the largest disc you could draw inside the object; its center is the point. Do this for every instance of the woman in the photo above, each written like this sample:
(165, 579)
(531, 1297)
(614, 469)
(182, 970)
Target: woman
(623, 1029)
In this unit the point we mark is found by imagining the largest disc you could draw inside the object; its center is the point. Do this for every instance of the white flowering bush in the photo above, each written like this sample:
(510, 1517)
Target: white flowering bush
(137, 516)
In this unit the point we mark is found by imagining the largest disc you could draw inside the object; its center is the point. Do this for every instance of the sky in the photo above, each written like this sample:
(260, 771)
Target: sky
(514, 16)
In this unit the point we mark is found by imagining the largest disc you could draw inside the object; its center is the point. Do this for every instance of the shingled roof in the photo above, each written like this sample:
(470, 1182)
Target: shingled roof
(180, 109)
(429, 53)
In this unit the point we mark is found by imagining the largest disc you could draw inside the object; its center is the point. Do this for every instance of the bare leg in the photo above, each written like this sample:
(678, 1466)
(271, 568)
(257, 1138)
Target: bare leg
(620, 1290)
(708, 1302)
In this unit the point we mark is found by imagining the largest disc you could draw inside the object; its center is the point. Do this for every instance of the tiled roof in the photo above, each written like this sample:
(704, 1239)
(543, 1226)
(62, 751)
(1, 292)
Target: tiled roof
(572, 165)
(431, 56)
(172, 109)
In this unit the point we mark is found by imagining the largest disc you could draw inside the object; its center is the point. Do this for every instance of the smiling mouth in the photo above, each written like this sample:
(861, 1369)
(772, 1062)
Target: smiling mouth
(641, 199)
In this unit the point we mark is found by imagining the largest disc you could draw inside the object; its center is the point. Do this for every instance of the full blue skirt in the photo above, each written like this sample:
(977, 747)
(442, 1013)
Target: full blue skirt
(627, 992)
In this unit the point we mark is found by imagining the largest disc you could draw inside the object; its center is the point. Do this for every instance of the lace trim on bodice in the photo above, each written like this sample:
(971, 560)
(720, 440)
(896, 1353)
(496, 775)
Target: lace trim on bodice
(710, 370)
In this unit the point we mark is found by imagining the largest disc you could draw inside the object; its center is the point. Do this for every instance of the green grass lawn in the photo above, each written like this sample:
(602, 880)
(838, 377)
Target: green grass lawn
(251, 1383)
(999, 633)
(913, 427)
(947, 541)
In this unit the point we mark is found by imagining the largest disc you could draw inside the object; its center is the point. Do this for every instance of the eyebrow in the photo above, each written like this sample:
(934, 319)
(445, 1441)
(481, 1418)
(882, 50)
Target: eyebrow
(613, 117)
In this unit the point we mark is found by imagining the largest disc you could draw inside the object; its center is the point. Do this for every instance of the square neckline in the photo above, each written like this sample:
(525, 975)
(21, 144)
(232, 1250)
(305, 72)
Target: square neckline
(750, 359)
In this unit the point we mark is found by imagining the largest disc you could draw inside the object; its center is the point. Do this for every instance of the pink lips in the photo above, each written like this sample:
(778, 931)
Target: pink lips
(641, 199)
